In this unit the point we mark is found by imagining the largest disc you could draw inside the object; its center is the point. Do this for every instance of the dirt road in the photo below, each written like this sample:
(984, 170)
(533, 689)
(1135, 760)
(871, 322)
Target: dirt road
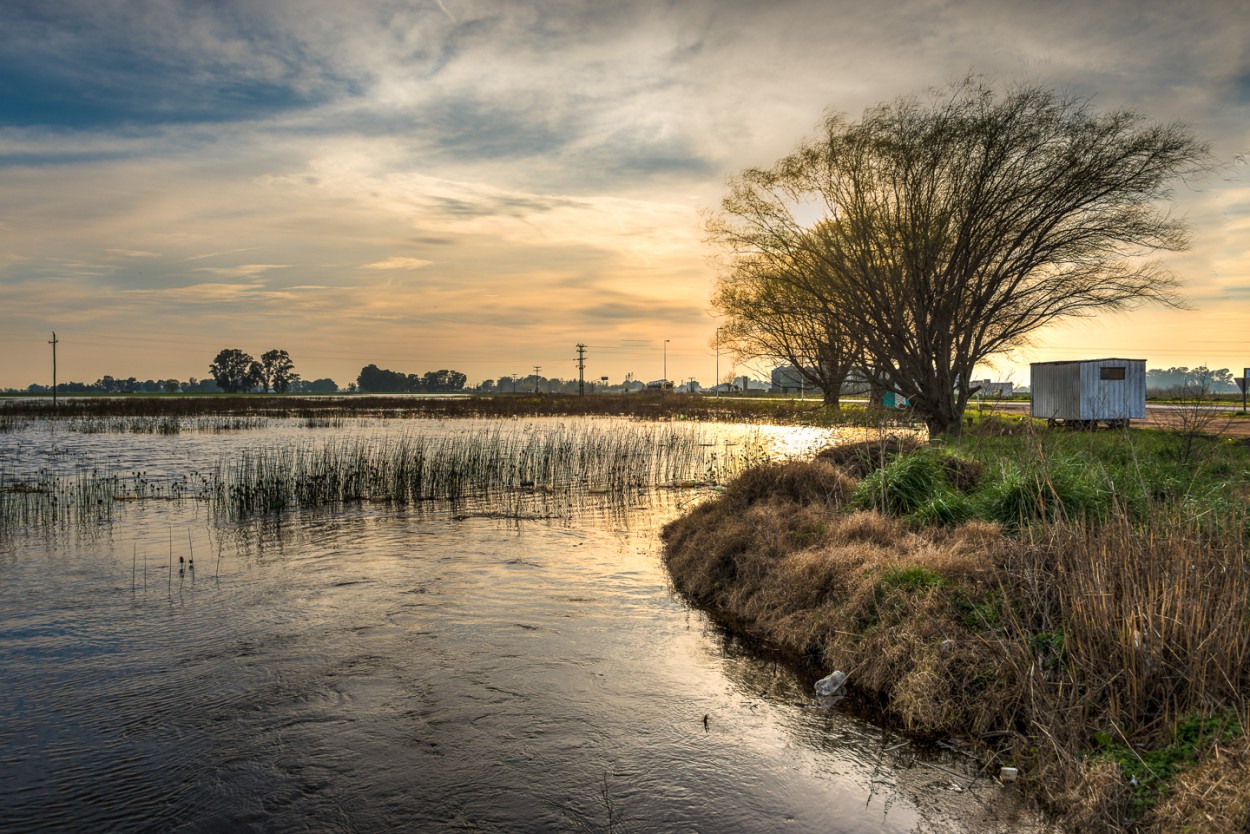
(1208, 419)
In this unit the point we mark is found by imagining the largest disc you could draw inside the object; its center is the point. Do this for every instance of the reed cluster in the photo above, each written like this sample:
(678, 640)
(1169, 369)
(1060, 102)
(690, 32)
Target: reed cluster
(616, 460)
(498, 468)
(1091, 632)
(165, 424)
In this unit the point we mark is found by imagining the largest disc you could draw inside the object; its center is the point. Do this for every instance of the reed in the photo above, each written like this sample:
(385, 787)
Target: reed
(498, 468)
(166, 424)
(11, 422)
(614, 461)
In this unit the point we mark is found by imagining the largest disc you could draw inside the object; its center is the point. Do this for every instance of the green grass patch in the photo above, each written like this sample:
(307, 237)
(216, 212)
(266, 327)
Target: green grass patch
(1152, 772)
(911, 578)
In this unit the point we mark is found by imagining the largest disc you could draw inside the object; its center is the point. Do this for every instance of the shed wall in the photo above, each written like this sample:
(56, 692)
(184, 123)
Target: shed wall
(1055, 391)
(1076, 390)
(1113, 399)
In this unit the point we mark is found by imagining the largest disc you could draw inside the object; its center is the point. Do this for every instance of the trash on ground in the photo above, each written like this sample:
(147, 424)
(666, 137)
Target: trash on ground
(831, 684)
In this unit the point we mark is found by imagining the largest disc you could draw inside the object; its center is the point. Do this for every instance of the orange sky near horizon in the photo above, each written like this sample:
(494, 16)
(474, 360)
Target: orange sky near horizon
(459, 185)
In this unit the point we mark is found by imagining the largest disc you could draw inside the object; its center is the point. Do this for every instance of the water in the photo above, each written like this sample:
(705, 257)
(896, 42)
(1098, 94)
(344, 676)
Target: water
(376, 668)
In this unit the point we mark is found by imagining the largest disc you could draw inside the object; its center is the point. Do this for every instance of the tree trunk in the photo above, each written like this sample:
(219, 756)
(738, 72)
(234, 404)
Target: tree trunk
(942, 415)
(876, 395)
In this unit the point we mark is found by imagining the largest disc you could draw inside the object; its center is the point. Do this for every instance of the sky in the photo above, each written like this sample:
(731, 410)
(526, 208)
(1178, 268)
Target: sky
(481, 186)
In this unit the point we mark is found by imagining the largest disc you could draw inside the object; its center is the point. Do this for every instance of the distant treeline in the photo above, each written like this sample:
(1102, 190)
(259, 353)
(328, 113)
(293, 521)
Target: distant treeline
(130, 385)
(1191, 380)
(375, 380)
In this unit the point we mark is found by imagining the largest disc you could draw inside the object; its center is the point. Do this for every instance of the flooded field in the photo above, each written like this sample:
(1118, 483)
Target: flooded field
(510, 660)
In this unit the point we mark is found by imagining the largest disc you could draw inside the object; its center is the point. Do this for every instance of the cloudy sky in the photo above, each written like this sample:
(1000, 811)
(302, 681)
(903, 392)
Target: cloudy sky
(482, 185)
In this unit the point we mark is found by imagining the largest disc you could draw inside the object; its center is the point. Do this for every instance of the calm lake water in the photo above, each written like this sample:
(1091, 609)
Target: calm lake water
(373, 667)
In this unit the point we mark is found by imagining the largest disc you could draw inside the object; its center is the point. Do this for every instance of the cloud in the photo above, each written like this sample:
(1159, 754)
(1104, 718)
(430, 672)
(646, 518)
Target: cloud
(240, 271)
(398, 263)
(206, 292)
(133, 253)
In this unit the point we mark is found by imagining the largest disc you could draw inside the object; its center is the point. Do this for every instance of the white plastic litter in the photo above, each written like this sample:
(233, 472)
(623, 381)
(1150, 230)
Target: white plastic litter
(831, 684)
(1007, 774)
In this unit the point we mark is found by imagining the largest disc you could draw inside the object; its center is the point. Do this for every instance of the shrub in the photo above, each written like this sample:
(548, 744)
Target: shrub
(903, 486)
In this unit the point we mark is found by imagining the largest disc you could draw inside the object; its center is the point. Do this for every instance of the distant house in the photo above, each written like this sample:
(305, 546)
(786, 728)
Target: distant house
(1088, 391)
(786, 379)
(997, 390)
(893, 399)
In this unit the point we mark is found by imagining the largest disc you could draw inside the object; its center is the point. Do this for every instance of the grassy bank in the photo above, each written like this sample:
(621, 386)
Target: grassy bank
(1073, 604)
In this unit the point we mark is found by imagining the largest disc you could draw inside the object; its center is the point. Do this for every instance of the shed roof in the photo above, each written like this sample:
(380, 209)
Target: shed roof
(1083, 361)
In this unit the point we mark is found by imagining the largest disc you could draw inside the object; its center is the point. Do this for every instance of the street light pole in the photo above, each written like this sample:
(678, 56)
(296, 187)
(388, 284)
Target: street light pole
(716, 382)
(663, 384)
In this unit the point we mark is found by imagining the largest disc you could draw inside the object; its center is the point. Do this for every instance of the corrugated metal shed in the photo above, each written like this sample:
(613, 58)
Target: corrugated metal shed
(1089, 390)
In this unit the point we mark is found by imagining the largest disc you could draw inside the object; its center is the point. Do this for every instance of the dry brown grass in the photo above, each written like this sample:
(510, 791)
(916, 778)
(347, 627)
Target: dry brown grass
(859, 459)
(1035, 645)
(1213, 798)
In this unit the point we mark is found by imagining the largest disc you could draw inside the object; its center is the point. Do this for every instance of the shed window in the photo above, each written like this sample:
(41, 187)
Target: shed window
(1111, 372)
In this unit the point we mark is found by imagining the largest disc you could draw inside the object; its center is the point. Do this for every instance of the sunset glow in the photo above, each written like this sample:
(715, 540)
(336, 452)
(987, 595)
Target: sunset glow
(481, 186)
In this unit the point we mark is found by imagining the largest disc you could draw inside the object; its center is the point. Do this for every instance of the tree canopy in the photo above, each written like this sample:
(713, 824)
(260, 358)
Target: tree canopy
(277, 371)
(769, 314)
(375, 380)
(233, 371)
(940, 231)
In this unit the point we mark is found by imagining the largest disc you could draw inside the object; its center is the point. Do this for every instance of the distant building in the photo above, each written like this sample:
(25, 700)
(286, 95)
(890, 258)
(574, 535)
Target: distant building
(1084, 392)
(660, 385)
(996, 390)
(786, 379)
(893, 399)
(748, 385)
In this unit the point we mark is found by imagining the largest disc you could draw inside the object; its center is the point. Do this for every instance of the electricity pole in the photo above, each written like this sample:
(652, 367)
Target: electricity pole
(581, 369)
(716, 382)
(664, 384)
(537, 368)
(53, 343)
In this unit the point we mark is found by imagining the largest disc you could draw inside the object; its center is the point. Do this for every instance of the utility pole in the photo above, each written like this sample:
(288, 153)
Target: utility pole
(665, 382)
(537, 368)
(53, 343)
(581, 369)
(716, 382)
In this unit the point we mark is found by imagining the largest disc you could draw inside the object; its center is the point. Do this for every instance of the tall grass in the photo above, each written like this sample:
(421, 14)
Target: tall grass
(165, 424)
(415, 467)
(494, 467)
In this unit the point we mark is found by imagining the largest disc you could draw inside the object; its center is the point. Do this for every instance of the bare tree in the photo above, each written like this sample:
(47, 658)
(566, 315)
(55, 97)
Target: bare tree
(769, 315)
(943, 231)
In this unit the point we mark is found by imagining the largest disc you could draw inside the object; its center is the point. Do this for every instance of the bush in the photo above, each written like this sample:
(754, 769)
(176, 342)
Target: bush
(903, 486)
